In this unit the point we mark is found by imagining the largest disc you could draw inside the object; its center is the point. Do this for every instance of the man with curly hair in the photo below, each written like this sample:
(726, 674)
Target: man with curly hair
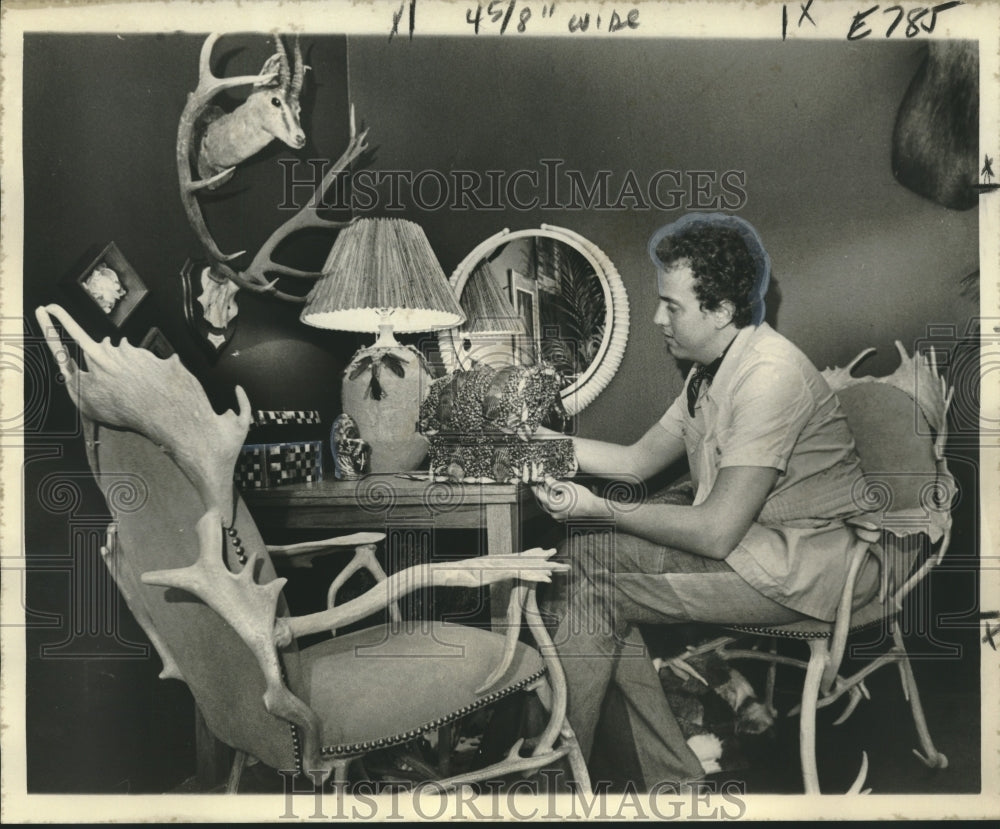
(773, 469)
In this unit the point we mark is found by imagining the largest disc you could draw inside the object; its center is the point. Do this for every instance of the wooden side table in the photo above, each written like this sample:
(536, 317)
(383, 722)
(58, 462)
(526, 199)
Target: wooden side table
(387, 503)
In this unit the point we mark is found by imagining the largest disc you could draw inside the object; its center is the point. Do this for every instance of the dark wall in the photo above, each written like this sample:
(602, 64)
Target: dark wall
(858, 261)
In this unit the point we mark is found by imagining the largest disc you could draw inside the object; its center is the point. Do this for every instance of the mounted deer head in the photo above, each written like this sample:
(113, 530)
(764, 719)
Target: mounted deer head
(227, 140)
(271, 111)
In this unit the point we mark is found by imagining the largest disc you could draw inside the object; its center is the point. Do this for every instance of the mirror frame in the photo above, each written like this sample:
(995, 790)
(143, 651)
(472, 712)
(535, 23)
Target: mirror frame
(585, 390)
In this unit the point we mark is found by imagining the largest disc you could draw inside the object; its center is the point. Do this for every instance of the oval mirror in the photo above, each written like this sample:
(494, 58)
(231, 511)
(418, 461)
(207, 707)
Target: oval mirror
(545, 294)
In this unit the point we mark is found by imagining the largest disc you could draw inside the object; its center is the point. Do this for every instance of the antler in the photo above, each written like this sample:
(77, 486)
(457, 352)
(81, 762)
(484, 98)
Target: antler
(256, 277)
(300, 71)
(287, 77)
(308, 216)
(122, 384)
(284, 72)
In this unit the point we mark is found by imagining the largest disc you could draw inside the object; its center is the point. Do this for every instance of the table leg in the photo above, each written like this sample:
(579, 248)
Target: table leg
(503, 535)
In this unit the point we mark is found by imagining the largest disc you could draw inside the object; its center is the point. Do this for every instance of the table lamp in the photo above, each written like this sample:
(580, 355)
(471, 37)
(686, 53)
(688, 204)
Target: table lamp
(382, 277)
(491, 321)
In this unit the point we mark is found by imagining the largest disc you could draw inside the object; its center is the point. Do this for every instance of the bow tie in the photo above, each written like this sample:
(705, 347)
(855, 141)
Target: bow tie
(703, 374)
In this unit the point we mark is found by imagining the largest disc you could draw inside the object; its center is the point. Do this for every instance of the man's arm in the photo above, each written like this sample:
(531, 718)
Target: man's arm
(651, 453)
(712, 529)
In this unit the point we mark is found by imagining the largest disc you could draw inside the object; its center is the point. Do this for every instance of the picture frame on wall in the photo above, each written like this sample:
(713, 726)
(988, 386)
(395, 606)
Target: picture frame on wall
(156, 342)
(111, 285)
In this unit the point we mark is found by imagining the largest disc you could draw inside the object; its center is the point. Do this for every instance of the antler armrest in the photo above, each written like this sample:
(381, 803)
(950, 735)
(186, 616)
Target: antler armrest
(530, 566)
(303, 553)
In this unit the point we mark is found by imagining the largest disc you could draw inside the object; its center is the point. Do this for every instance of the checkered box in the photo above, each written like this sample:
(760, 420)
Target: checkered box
(294, 463)
(251, 468)
(286, 417)
(262, 466)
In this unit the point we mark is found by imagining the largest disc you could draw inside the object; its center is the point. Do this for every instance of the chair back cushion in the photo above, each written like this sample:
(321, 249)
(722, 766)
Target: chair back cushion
(902, 479)
(895, 445)
(156, 509)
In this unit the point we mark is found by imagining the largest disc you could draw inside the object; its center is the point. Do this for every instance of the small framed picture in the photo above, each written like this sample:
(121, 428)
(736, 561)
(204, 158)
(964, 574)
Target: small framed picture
(112, 284)
(157, 343)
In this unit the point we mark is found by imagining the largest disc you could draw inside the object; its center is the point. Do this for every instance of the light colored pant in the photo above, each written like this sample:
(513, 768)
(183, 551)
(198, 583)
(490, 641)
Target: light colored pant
(617, 582)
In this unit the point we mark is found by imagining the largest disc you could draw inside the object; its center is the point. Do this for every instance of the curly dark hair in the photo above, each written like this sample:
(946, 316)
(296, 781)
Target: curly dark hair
(722, 266)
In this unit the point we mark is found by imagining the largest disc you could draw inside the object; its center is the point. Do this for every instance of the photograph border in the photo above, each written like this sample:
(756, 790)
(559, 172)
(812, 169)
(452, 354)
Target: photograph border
(826, 19)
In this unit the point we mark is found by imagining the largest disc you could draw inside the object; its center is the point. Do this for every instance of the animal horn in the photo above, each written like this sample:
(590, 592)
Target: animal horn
(300, 71)
(283, 71)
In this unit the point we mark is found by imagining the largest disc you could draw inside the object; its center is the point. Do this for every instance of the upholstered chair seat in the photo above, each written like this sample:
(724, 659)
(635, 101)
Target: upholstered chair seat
(417, 669)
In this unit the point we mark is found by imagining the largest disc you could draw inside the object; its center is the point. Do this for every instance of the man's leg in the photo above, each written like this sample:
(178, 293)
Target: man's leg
(686, 588)
(621, 580)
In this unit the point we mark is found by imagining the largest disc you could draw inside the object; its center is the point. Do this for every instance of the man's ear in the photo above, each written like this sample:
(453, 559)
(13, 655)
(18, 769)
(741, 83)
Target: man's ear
(723, 315)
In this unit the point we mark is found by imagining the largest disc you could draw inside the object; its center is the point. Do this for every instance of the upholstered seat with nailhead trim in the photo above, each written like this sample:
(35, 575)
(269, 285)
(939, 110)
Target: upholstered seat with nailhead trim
(417, 668)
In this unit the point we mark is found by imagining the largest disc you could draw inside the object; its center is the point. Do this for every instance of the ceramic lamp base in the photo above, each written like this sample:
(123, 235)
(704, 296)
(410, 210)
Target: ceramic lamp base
(382, 392)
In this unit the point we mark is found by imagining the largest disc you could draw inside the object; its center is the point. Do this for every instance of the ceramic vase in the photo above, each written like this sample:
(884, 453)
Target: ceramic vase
(382, 392)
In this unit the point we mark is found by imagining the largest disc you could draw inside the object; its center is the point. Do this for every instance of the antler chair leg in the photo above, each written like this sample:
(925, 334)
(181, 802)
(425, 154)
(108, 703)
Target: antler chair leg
(931, 756)
(513, 763)
(818, 654)
(555, 695)
(577, 762)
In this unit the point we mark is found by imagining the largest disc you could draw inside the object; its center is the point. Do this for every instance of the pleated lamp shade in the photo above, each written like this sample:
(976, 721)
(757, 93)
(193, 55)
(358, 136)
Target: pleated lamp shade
(382, 272)
(487, 310)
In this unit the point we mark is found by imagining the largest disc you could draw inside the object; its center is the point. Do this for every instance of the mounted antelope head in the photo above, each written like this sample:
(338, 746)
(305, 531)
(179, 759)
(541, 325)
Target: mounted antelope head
(271, 111)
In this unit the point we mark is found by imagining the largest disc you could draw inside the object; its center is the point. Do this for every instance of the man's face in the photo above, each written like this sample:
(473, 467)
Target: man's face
(690, 332)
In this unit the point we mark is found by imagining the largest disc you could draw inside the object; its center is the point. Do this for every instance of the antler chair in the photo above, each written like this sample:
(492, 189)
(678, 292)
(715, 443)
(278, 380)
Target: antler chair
(187, 557)
(900, 429)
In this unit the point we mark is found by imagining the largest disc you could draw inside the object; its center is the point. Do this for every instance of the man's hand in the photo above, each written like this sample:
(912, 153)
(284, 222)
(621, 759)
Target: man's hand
(564, 500)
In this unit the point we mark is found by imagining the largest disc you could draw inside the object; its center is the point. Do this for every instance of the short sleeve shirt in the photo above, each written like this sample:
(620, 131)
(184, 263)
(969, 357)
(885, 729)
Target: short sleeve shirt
(769, 406)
